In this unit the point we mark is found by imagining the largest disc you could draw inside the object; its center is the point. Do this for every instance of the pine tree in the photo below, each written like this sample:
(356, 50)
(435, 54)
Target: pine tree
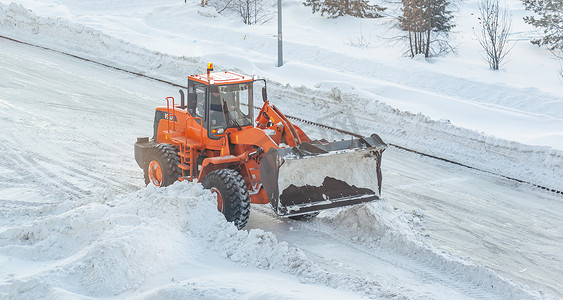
(428, 23)
(550, 22)
(338, 8)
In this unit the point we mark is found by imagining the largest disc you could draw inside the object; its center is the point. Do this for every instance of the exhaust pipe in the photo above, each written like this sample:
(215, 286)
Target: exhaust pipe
(182, 99)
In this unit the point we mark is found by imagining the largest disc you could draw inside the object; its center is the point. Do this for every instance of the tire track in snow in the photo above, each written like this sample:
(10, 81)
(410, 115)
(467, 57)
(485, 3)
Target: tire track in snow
(37, 169)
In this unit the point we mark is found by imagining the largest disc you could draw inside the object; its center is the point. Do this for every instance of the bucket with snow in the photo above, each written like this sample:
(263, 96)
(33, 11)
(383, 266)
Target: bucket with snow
(318, 175)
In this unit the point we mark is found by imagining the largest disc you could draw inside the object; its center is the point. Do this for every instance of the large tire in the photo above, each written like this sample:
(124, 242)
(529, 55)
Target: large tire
(161, 165)
(232, 195)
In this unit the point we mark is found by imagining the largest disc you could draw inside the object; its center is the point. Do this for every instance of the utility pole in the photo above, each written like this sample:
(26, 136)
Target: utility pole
(280, 51)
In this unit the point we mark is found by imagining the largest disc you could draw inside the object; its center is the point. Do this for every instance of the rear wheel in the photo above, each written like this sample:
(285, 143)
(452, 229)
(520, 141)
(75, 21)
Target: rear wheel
(161, 165)
(232, 195)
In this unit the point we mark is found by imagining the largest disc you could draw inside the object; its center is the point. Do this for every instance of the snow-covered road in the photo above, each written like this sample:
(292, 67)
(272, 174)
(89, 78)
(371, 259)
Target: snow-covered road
(442, 231)
(509, 227)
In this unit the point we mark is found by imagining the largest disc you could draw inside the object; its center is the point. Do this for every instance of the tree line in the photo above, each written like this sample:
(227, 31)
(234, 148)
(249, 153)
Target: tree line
(426, 24)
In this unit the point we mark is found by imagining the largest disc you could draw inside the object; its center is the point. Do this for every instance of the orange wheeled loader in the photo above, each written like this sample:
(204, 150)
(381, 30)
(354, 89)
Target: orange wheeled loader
(215, 138)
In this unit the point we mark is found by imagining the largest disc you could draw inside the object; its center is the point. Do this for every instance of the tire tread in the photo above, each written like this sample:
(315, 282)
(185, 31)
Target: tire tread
(236, 200)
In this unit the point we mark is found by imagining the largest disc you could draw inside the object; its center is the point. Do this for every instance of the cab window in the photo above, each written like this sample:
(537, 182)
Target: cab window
(196, 100)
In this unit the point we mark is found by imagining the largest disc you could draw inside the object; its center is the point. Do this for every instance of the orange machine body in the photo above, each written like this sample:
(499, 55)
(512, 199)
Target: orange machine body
(203, 149)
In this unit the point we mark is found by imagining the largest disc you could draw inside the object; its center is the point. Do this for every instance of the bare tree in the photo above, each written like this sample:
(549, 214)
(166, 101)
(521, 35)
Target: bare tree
(253, 11)
(496, 25)
(250, 11)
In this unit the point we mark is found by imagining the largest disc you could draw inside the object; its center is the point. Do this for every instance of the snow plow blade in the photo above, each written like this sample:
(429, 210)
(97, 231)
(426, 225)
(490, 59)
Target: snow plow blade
(316, 176)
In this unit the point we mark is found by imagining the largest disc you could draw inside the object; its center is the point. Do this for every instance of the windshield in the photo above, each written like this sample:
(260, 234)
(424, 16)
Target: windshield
(230, 106)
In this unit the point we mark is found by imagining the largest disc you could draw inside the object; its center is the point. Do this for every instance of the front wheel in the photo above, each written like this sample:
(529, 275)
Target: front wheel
(232, 195)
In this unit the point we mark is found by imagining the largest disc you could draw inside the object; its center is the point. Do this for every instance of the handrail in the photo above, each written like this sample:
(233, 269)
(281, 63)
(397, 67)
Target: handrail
(168, 112)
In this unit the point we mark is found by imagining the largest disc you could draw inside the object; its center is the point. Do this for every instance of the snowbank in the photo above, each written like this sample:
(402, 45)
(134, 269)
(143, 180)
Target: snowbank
(113, 245)
(104, 246)
(347, 110)
(108, 246)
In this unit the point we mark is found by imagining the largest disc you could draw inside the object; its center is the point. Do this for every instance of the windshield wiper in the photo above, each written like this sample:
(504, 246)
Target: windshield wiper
(230, 117)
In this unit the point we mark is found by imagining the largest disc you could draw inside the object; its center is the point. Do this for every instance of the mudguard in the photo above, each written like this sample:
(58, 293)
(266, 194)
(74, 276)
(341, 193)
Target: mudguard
(141, 147)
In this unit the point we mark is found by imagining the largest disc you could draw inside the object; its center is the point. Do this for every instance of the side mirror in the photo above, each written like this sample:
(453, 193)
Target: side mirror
(264, 94)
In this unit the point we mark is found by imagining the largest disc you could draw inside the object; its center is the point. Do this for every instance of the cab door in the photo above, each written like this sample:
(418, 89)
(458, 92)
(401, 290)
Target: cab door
(197, 103)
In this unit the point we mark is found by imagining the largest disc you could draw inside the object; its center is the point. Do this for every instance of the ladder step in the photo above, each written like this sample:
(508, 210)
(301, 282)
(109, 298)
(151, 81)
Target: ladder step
(184, 167)
(184, 154)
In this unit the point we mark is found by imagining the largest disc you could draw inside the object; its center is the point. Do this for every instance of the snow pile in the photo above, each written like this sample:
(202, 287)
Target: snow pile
(262, 250)
(377, 225)
(106, 246)
(312, 170)
(353, 111)
(111, 245)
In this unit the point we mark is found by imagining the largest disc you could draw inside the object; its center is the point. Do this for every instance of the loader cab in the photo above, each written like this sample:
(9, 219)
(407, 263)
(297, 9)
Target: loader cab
(223, 100)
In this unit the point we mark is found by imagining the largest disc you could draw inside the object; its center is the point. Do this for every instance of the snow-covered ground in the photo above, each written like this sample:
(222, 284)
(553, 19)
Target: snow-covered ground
(76, 220)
